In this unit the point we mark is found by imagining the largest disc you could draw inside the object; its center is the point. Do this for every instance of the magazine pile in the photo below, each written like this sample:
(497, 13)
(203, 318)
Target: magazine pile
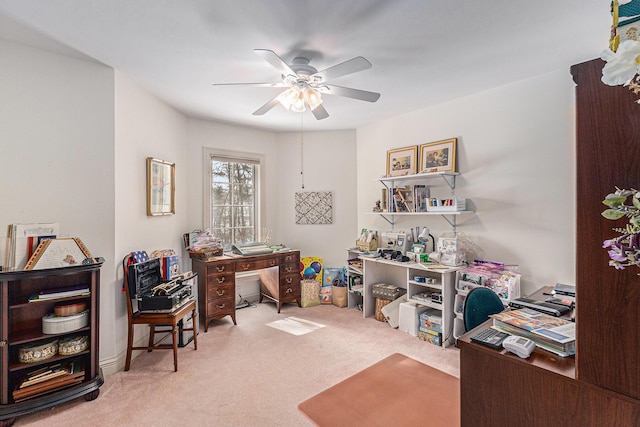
(554, 334)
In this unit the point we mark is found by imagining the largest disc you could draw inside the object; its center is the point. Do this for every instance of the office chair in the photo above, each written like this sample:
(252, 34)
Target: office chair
(479, 304)
(170, 319)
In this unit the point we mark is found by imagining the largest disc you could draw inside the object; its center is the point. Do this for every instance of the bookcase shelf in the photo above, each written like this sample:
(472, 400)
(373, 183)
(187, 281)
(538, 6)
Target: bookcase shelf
(448, 215)
(21, 325)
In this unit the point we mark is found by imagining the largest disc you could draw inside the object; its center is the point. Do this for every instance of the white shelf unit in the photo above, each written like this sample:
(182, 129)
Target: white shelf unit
(462, 288)
(402, 274)
(448, 177)
(354, 298)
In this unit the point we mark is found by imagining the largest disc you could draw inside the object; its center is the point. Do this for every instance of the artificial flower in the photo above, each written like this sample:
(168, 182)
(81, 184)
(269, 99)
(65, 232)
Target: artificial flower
(621, 65)
(624, 250)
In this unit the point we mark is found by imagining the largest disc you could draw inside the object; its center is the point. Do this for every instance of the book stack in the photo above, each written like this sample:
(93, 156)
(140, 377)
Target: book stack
(49, 294)
(47, 379)
(23, 239)
(551, 333)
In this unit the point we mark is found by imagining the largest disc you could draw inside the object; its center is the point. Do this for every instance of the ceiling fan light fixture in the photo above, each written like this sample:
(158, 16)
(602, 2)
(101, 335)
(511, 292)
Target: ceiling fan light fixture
(289, 97)
(312, 97)
(298, 105)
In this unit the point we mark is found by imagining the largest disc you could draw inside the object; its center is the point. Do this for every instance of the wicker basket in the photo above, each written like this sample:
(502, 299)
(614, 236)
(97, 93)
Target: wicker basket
(205, 254)
(380, 302)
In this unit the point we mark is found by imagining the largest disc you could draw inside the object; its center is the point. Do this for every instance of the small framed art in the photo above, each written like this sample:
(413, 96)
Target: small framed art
(439, 156)
(402, 161)
(161, 187)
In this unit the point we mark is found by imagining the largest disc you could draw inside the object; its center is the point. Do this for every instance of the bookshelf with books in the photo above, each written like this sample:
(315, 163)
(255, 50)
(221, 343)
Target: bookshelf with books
(410, 195)
(44, 364)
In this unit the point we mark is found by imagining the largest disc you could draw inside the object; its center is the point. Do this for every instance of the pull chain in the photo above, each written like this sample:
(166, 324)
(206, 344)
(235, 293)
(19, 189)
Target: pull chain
(301, 150)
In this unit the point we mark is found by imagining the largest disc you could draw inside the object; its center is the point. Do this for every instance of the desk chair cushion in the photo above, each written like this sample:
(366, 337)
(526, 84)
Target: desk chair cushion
(479, 304)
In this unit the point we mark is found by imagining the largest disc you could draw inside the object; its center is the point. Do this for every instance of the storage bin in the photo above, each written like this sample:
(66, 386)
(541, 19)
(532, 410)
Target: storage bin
(380, 303)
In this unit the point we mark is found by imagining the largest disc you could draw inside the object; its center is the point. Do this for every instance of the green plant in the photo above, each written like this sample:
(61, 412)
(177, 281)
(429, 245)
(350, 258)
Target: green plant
(623, 250)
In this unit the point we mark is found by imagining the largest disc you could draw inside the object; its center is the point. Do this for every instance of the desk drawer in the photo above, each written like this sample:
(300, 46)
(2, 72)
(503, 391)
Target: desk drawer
(246, 265)
(290, 292)
(289, 268)
(290, 258)
(220, 279)
(219, 267)
(218, 291)
(221, 307)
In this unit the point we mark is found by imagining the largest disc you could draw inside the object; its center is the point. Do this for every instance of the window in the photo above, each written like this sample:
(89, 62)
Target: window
(232, 196)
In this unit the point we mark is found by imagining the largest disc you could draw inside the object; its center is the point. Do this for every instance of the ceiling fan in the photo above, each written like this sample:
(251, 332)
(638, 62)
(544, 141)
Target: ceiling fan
(305, 85)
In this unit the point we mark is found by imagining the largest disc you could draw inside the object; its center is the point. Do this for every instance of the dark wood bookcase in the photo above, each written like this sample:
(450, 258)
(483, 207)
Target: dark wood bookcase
(21, 325)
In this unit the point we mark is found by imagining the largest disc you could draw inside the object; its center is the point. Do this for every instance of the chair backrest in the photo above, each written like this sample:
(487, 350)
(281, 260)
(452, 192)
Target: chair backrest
(479, 304)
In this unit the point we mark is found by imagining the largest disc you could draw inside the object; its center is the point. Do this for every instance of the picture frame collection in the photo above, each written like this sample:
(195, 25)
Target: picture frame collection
(438, 156)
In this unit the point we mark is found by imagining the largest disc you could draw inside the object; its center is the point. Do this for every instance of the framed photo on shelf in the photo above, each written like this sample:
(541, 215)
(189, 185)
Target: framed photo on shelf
(53, 253)
(402, 161)
(161, 187)
(439, 156)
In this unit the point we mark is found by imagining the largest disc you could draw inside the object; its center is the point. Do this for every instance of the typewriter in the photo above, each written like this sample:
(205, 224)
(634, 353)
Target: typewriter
(252, 248)
(152, 293)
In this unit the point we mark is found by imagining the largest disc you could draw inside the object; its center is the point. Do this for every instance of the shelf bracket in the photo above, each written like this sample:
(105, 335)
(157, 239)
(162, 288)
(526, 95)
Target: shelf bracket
(450, 180)
(388, 220)
(452, 222)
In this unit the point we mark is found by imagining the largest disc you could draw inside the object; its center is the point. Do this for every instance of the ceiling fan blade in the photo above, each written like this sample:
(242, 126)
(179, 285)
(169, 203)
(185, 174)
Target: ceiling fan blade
(266, 107)
(275, 61)
(351, 66)
(362, 95)
(276, 84)
(320, 113)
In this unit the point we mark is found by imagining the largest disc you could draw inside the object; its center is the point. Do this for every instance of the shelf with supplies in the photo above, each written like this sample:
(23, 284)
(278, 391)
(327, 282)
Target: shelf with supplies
(49, 338)
(354, 278)
(409, 195)
(428, 286)
(501, 280)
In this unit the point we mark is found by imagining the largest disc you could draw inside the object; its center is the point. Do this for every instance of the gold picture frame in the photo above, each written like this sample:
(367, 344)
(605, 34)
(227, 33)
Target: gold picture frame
(402, 161)
(161, 187)
(439, 156)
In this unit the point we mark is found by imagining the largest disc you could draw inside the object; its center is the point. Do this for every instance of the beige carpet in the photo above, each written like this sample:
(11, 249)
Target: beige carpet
(246, 375)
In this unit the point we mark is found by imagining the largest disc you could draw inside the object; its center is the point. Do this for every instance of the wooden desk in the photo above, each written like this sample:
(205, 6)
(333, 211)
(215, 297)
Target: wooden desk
(498, 388)
(279, 281)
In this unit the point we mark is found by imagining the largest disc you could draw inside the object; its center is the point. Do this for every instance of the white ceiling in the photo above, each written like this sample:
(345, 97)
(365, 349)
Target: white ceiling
(424, 52)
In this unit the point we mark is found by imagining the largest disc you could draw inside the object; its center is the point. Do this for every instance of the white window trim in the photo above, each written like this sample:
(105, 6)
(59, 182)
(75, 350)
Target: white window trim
(207, 153)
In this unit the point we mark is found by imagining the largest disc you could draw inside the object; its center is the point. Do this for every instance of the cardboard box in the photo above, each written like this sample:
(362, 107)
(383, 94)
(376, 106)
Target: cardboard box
(430, 336)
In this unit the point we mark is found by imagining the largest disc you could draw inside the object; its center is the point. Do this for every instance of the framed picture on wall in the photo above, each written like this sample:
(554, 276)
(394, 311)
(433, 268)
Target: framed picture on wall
(402, 161)
(161, 187)
(439, 156)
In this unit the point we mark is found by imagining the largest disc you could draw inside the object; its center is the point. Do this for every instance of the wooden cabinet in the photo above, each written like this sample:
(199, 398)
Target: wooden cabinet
(279, 281)
(21, 327)
(216, 289)
(282, 284)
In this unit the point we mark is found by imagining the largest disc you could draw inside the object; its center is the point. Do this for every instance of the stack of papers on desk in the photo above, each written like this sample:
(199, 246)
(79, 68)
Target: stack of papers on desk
(551, 333)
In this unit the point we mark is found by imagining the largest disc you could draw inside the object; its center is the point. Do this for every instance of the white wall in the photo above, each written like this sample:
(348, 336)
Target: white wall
(57, 154)
(516, 159)
(329, 162)
(145, 127)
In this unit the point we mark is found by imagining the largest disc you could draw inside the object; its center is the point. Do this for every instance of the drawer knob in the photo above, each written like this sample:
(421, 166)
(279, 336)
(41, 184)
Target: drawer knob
(3, 343)
(288, 280)
(288, 269)
(220, 292)
(220, 306)
(220, 268)
(246, 266)
(289, 290)
(221, 279)
(288, 258)
(272, 263)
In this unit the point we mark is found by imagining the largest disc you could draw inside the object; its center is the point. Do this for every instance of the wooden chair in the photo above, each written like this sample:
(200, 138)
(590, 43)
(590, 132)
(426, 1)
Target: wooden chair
(170, 319)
